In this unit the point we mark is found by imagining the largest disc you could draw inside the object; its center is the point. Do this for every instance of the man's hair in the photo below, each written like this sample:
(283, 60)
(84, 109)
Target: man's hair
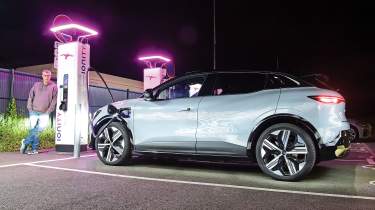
(46, 71)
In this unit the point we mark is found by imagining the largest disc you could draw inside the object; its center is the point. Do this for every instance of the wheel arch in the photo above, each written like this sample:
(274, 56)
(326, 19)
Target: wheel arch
(106, 119)
(281, 118)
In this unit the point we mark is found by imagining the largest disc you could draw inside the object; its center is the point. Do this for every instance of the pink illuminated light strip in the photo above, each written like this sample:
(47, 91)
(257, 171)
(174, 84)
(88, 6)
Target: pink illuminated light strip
(147, 58)
(76, 26)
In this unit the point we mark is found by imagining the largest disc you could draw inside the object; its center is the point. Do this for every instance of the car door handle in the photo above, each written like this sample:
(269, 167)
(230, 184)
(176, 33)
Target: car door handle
(186, 110)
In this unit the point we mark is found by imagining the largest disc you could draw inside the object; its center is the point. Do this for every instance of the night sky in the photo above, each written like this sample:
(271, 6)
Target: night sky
(331, 37)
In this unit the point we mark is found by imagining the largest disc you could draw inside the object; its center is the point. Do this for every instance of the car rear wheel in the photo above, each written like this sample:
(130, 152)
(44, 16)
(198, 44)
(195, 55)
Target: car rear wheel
(285, 152)
(113, 145)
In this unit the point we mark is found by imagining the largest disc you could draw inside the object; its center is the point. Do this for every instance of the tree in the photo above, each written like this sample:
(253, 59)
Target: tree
(12, 109)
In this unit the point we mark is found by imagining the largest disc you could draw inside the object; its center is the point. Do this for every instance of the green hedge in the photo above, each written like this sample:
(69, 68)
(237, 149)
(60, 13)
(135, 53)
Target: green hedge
(14, 128)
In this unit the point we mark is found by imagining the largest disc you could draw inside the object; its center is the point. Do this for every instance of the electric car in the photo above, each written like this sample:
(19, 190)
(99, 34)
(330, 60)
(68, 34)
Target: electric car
(359, 129)
(283, 123)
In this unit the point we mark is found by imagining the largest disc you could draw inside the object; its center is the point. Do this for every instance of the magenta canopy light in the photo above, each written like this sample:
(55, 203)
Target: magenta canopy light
(153, 60)
(83, 31)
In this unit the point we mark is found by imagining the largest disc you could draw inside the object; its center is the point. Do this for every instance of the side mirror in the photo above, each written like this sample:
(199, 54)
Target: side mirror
(148, 95)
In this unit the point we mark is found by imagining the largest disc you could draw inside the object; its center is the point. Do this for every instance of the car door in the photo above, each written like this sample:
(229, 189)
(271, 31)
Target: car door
(226, 118)
(169, 122)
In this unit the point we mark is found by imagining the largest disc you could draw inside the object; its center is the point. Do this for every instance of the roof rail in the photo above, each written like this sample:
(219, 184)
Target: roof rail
(193, 72)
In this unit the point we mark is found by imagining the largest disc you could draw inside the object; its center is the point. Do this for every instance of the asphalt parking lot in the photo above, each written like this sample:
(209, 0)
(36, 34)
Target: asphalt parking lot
(58, 181)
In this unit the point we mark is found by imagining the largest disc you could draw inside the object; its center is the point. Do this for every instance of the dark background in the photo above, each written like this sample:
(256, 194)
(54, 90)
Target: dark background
(330, 37)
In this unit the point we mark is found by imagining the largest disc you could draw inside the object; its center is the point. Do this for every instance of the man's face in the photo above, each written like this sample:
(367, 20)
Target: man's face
(46, 77)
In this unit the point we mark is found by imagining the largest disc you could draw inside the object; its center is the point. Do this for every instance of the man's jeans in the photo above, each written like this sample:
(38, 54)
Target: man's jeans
(38, 121)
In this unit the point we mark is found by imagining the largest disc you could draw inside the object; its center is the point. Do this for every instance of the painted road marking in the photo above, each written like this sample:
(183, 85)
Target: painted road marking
(350, 160)
(369, 167)
(369, 149)
(370, 160)
(206, 183)
(360, 150)
(372, 182)
(44, 161)
(363, 148)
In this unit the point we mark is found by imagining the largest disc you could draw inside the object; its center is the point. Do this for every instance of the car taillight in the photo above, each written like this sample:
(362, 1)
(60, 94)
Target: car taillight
(328, 99)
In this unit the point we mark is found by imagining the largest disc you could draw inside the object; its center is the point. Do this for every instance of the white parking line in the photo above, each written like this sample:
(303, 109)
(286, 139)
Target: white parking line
(369, 167)
(206, 183)
(44, 161)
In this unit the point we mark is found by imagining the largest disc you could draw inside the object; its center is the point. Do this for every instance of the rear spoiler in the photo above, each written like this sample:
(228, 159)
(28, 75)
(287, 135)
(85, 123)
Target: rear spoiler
(322, 79)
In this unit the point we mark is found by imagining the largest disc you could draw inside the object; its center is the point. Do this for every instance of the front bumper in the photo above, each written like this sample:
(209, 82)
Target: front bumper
(341, 148)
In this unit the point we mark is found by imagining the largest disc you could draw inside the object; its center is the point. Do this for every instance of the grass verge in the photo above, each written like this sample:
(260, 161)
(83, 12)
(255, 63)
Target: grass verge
(14, 129)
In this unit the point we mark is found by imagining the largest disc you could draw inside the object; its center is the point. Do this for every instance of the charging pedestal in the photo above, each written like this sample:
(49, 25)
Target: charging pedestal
(72, 111)
(156, 73)
(153, 77)
(72, 102)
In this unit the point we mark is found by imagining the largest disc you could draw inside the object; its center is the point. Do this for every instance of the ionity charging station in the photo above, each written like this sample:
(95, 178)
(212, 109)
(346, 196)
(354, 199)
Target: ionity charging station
(157, 71)
(73, 62)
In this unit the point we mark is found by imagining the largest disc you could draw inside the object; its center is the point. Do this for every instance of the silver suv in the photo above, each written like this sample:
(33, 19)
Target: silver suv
(283, 123)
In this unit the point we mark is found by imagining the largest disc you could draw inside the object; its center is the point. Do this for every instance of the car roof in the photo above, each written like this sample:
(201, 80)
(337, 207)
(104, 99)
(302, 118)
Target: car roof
(206, 73)
(235, 72)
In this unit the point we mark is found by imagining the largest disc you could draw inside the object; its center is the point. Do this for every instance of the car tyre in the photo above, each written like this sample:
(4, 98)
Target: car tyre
(291, 162)
(92, 142)
(113, 145)
(353, 132)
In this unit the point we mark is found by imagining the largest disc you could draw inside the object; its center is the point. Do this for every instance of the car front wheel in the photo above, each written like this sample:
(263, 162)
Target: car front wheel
(113, 145)
(285, 152)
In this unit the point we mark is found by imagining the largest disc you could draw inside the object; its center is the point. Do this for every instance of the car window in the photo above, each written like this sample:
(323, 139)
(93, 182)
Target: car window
(274, 82)
(238, 83)
(289, 82)
(283, 81)
(319, 82)
(181, 89)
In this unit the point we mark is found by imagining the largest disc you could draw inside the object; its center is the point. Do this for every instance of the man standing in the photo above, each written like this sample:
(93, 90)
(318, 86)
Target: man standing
(41, 102)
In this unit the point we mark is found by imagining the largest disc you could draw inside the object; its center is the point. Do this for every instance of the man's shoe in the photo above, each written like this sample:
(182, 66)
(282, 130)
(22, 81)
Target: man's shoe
(33, 152)
(23, 147)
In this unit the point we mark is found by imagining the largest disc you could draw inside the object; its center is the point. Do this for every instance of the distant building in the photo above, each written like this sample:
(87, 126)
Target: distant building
(111, 80)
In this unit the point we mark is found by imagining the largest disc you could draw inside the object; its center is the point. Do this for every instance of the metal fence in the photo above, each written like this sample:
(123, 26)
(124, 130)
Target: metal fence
(18, 84)
(99, 96)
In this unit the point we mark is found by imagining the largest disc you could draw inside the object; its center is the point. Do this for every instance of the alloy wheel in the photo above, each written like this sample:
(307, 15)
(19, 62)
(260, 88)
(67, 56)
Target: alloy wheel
(111, 144)
(284, 152)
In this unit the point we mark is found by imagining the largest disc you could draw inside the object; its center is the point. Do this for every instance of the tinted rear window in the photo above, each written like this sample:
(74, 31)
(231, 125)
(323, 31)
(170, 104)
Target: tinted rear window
(238, 83)
(320, 83)
(284, 81)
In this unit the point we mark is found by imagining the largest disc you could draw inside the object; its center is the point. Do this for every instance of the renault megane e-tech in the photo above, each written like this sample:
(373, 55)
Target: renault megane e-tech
(283, 123)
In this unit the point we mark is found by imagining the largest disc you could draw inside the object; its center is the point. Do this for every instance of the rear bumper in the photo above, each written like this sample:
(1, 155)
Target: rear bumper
(339, 150)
